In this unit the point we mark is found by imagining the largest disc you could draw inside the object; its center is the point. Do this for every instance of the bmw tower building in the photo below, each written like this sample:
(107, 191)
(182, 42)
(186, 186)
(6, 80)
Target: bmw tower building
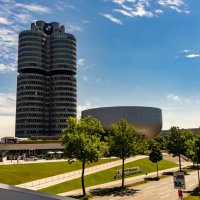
(46, 83)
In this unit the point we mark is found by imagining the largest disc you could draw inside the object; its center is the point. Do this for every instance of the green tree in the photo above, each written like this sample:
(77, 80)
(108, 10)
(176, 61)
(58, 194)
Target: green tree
(142, 146)
(82, 141)
(177, 143)
(155, 156)
(123, 142)
(159, 141)
(196, 152)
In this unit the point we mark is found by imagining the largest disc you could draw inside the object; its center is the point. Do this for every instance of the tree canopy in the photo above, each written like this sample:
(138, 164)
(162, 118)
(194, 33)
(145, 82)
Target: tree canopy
(82, 141)
(178, 142)
(155, 156)
(123, 142)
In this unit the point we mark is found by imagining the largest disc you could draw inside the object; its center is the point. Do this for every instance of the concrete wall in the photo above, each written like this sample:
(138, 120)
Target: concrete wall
(8, 192)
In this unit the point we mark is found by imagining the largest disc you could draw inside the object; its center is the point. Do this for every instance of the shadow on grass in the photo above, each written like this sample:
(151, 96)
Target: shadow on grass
(195, 192)
(115, 191)
(152, 179)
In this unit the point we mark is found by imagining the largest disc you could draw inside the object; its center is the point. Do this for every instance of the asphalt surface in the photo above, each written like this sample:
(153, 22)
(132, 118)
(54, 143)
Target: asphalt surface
(154, 190)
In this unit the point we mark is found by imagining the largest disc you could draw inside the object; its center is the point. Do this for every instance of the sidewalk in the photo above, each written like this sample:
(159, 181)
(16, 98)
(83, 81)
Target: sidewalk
(53, 180)
(119, 182)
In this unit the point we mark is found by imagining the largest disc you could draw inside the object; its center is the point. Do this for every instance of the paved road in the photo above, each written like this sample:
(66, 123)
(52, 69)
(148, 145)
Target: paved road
(161, 190)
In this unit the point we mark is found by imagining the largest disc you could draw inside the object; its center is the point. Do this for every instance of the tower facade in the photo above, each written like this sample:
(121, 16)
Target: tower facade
(46, 83)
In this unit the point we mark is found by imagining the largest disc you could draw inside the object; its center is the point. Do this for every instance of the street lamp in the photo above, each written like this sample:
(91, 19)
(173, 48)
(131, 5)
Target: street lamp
(197, 150)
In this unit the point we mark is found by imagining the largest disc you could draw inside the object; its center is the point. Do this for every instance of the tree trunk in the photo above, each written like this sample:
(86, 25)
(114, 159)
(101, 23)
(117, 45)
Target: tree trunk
(157, 168)
(179, 158)
(122, 172)
(82, 177)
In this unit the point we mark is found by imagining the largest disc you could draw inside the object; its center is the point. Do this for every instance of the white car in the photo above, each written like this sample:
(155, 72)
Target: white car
(31, 158)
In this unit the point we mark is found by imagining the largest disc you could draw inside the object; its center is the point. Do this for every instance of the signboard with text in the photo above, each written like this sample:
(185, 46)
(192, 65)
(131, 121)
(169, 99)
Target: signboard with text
(179, 180)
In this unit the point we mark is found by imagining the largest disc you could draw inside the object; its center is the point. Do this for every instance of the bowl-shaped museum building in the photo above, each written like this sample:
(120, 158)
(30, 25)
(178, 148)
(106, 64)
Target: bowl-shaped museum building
(146, 120)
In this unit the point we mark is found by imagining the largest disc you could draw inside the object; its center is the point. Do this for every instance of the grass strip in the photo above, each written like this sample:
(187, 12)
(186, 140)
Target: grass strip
(194, 195)
(106, 176)
(20, 173)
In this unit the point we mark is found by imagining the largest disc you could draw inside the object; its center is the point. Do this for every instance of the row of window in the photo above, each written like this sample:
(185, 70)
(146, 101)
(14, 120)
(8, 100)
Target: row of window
(63, 42)
(29, 64)
(57, 110)
(64, 46)
(55, 83)
(64, 78)
(61, 104)
(31, 54)
(31, 44)
(63, 35)
(63, 55)
(66, 60)
(25, 39)
(30, 104)
(21, 83)
(30, 87)
(30, 33)
(21, 115)
(32, 109)
(63, 51)
(38, 126)
(31, 49)
(29, 59)
(31, 132)
(20, 93)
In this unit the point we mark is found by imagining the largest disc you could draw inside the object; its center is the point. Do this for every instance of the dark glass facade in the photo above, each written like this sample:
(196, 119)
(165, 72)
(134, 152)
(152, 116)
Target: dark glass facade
(46, 83)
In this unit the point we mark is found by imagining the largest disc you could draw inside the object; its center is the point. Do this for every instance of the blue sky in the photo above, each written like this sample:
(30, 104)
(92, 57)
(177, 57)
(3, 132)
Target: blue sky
(130, 52)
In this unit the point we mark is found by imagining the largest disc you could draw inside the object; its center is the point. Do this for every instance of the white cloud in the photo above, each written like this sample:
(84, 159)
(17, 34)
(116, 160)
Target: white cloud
(192, 56)
(158, 11)
(81, 64)
(7, 104)
(86, 106)
(24, 18)
(141, 12)
(85, 78)
(124, 12)
(119, 1)
(173, 97)
(112, 19)
(62, 5)
(5, 21)
(73, 28)
(33, 8)
(186, 50)
(7, 126)
(145, 8)
(171, 2)
(13, 18)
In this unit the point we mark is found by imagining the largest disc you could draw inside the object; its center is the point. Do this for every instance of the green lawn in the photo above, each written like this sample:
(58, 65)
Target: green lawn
(105, 176)
(193, 195)
(20, 173)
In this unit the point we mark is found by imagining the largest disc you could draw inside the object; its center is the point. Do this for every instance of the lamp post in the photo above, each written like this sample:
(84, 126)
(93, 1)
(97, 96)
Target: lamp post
(197, 150)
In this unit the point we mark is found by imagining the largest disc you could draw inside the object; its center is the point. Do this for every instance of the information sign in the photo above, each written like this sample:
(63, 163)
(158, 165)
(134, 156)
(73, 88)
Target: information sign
(179, 180)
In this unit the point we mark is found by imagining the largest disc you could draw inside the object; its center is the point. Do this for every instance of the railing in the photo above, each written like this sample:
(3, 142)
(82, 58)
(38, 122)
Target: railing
(74, 174)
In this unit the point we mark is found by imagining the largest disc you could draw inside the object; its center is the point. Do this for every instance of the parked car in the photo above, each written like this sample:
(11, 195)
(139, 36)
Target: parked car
(31, 158)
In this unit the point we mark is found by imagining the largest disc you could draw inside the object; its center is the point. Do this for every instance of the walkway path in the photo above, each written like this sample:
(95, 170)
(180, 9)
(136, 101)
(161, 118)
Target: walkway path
(53, 180)
(117, 183)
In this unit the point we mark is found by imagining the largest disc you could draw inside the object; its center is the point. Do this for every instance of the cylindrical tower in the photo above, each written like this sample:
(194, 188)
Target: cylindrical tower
(46, 84)
(63, 81)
